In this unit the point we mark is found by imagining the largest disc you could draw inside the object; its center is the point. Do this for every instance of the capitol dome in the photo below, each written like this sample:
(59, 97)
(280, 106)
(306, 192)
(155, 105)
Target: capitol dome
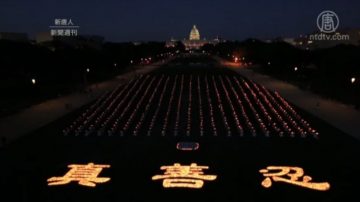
(194, 34)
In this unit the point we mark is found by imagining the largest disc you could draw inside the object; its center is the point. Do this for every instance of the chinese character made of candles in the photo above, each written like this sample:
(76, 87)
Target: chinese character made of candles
(184, 176)
(86, 175)
(291, 175)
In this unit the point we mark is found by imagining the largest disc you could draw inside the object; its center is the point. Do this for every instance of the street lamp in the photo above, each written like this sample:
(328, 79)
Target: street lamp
(295, 69)
(85, 77)
(353, 80)
(33, 81)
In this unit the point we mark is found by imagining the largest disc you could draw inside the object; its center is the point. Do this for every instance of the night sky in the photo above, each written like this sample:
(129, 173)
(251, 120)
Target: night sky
(144, 20)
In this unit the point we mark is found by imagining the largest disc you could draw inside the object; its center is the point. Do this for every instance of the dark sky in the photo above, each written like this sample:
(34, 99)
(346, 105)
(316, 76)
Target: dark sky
(129, 20)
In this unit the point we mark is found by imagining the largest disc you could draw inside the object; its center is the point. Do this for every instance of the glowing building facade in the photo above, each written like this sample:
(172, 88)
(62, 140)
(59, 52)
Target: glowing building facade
(194, 42)
(194, 34)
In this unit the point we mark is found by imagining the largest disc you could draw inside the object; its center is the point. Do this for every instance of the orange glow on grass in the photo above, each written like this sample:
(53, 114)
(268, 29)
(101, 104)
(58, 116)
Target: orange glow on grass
(184, 176)
(291, 175)
(86, 175)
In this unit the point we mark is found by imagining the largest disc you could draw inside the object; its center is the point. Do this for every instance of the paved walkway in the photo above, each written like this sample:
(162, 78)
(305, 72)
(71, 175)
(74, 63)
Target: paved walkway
(343, 117)
(37, 116)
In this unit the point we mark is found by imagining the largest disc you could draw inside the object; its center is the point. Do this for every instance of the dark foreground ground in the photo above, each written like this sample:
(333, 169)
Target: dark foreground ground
(236, 160)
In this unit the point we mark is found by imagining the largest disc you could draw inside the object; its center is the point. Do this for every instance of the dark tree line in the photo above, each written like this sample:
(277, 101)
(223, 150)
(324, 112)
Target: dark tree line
(60, 68)
(325, 71)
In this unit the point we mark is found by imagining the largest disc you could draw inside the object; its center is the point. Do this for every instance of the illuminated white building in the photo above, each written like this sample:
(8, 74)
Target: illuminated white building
(194, 33)
(171, 43)
(194, 41)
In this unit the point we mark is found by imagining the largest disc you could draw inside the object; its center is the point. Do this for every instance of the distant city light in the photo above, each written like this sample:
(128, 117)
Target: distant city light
(353, 80)
(131, 61)
(269, 63)
(33, 81)
(87, 70)
(115, 64)
(295, 69)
